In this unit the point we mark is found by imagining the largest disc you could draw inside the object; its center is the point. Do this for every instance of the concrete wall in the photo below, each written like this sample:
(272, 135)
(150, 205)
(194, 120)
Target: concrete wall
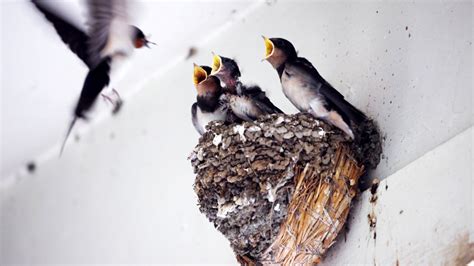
(42, 78)
(123, 192)
(423, 213)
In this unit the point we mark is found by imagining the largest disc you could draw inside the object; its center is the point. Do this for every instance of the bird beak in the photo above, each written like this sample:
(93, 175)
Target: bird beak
(199, 74)
(269, 47)
(147, 42)
(216, 64)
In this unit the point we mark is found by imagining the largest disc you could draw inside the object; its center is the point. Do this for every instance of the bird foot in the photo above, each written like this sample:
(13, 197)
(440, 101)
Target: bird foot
(113, 98)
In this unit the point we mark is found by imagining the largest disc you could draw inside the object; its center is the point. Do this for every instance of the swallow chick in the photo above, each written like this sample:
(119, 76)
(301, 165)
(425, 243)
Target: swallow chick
(246, 102)
(227, 71)
(109, 38)
(307, 89)
(209, 105)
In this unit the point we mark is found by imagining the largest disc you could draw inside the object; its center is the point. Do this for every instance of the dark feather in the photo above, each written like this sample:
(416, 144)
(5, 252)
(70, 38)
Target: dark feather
(231, 118)
(194, 117)
(334, 99)
(76, 39)
(208, 102)
(260, 98)
(69, 130)
(208, 69)
(96, 80)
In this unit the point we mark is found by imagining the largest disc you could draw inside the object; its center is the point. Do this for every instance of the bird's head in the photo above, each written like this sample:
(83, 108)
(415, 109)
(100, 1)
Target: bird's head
(139, 38)
(204, 82)
(226, 69)
(278, 51)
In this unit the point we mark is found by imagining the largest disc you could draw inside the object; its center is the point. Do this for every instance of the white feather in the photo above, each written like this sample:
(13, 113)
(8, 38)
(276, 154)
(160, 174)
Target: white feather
(204, 118)
(119, 42)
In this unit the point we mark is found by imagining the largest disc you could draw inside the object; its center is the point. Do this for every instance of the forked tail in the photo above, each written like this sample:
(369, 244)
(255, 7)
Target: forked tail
(73, 122)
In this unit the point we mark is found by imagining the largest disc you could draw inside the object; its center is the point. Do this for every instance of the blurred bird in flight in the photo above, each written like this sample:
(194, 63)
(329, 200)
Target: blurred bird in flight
(109, 39)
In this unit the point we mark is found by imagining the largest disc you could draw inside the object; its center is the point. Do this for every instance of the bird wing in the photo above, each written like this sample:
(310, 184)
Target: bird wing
(246, 108)
(225, 107)
(260, 98)
(75, 38)
(109, 29)
(194, 118)
(96, 80)
(333, 98)
(326, 88)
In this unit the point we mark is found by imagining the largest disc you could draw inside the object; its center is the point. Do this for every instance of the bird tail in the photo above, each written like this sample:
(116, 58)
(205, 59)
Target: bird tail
(73, 122)
(354, 114)
(367, 145)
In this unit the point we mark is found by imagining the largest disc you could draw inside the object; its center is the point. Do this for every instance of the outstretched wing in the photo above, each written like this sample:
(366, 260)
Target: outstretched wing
(76, 39)
(109, 29)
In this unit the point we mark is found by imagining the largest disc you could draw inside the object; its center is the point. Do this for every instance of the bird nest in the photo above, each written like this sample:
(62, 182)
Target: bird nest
(279, 188)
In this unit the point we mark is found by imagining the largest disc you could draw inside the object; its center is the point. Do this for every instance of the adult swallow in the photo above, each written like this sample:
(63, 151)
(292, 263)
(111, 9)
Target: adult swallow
(208, 106)
(110, 38)
(307, 89)
(247, 102)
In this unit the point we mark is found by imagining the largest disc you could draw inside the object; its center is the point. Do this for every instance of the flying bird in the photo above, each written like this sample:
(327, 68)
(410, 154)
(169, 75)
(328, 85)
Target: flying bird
(110, 38)
(247, 102)
(209, 105)
(308, 90)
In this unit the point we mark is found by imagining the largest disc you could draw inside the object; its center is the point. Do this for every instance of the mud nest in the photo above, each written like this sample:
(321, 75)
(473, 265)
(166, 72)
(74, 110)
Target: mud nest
(249, 176)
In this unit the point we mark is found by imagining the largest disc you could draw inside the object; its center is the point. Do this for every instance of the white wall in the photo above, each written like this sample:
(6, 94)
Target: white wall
(123, 193)
(42, 78)
(423, 212)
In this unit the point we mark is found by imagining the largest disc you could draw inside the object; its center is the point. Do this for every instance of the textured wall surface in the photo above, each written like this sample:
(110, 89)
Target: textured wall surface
(423, 213)
(122, 193)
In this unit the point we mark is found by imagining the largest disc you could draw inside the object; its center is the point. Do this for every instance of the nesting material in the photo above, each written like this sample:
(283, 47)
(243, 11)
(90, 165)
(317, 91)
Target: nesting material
(278, 188)
(316, 214)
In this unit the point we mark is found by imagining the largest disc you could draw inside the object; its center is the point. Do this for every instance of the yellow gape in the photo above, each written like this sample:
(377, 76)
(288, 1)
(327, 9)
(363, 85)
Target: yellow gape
(199, 74)
(216, 64)
(268, 47)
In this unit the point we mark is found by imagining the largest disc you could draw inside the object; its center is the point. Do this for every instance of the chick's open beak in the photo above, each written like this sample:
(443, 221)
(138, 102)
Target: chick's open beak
(269, 47)
(216, 64)
(199, 74)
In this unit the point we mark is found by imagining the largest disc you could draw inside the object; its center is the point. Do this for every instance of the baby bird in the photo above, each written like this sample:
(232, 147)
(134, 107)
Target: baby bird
(246, 102)
(308, 90)
(208, 106)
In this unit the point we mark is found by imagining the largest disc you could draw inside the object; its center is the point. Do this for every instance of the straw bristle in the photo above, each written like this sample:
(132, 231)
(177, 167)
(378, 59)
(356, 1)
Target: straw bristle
(316, 214)
(279, 188)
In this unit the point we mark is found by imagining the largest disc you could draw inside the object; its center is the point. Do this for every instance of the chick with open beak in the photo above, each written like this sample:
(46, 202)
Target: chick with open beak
(246, 102)
(227, 71)
(208, 106)
(307, 89)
